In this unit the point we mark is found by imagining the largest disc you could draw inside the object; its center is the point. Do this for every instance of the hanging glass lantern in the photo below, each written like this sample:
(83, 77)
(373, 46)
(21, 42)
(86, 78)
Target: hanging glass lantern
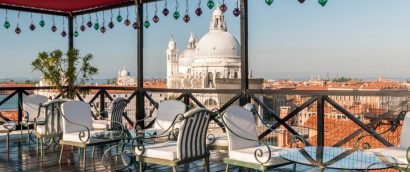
(42, 23)
(103, 29)
(82, 27)
(63, 33)
(89, 23)
(32, 26)
(322, 2)
(155, 18)
(17, 30)
(147, 24)
(269, 2)
(211, 4)
(54, 28)
(127, 21)
(110, 24)
(236, 12)
(119, 17)
(187, 18)
(223, 7)
(198, 10)
(96, 25)
(176, 13)
(135, 25)
(301, 1)
(6, 22)
(165, 11)
(76, 33)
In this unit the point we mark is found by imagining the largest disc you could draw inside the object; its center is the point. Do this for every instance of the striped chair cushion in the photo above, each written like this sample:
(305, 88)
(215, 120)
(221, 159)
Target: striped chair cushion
(192, 135)
(116, 110)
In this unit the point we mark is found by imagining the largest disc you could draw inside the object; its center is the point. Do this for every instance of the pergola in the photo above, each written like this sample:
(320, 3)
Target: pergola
(72, 8)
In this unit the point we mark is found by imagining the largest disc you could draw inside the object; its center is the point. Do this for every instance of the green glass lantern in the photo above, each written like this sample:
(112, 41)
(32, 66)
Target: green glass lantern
(6, 24)
(176, 15)
(211, 4)
(42, 23)
(76, 34)
(96, 26)
(147, 24)
(119, 18)
(269, 2)
(322, 2)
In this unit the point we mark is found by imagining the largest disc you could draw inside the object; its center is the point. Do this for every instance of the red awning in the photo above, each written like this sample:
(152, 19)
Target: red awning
(63, 6)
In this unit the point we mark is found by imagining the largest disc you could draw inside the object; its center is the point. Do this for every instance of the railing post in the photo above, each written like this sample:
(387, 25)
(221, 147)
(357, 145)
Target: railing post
(20, 108)
(102, 100)
(140, 65)
(244, 53)
(186, 100)
(320, 121)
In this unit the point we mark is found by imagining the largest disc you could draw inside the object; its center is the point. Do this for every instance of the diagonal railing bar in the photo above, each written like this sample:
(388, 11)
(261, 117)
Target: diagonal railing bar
(195, 100)
(60, 94)
(151, 100)
(108, 95)
(229, 103)
(339, 157)
(79, 97)
(25, 92)
(374, 123)
(95, 97)
(180, 97)
(8, 97)
(132, 96)
(357, 121)
(275, 116)
(289, 116)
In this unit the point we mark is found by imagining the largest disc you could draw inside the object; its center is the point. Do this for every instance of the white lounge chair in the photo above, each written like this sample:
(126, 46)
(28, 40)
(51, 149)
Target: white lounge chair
(78, 129)
(401, 153)
(115, 112)
(32, 114)
(190, 145)
(244, 148)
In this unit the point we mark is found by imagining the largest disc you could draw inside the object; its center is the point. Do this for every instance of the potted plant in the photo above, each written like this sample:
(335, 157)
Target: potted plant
(65, 72)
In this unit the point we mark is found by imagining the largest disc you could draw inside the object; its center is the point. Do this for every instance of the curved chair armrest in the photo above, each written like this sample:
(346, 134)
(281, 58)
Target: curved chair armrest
(394, 125)
(9, 126)
(408, 155)
(120, 129)
(82, 134)
(171, 132)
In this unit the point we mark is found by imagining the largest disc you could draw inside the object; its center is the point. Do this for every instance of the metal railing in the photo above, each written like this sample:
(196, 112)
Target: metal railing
(285, 110)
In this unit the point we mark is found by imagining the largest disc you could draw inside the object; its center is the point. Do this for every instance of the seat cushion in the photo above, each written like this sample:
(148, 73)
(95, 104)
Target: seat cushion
(101, 124)
(166, 150)
(74, 137)
(247, 155)
(221, 139)
(396, 152)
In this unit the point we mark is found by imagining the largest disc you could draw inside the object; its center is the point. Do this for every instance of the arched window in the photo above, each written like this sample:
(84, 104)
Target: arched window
(218, 75)
(235, 75)
(210, 79)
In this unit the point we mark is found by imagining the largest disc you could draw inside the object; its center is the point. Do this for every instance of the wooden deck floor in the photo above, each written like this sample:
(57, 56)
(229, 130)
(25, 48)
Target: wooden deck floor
(24, 157)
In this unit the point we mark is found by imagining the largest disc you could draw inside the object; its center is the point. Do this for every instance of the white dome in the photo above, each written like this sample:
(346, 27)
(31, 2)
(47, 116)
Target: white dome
(124, 73)
(218, 44)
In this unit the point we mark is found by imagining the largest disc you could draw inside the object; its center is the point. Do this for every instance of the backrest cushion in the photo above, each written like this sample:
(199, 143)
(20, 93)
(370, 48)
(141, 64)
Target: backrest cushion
(192, 134)
(31, 104)
(76, 112)
(405, 132)
(167, 111)
(116, 109)
(241, 128)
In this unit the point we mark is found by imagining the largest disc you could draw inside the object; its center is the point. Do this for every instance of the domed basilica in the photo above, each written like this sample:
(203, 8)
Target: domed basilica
(216, 55)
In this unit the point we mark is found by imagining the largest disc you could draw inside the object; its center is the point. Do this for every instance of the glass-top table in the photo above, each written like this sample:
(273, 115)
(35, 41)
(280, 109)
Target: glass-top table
(338, 158)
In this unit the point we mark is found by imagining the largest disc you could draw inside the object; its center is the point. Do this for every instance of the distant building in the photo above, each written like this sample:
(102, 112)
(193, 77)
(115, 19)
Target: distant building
(124, 78)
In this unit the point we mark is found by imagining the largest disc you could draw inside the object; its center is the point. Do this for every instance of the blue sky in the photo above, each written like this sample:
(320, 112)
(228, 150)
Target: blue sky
(287, 40)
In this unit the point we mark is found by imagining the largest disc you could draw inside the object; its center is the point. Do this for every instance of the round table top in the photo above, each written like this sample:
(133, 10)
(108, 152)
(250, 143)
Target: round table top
(338, 158)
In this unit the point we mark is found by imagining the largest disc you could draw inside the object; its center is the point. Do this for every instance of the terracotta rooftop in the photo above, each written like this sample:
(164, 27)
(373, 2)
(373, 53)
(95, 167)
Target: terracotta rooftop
(338, 129)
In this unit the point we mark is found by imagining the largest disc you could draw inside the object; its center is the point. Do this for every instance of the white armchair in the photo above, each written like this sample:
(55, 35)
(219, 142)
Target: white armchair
(190, 145)
(244, 147)
(78, 128)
